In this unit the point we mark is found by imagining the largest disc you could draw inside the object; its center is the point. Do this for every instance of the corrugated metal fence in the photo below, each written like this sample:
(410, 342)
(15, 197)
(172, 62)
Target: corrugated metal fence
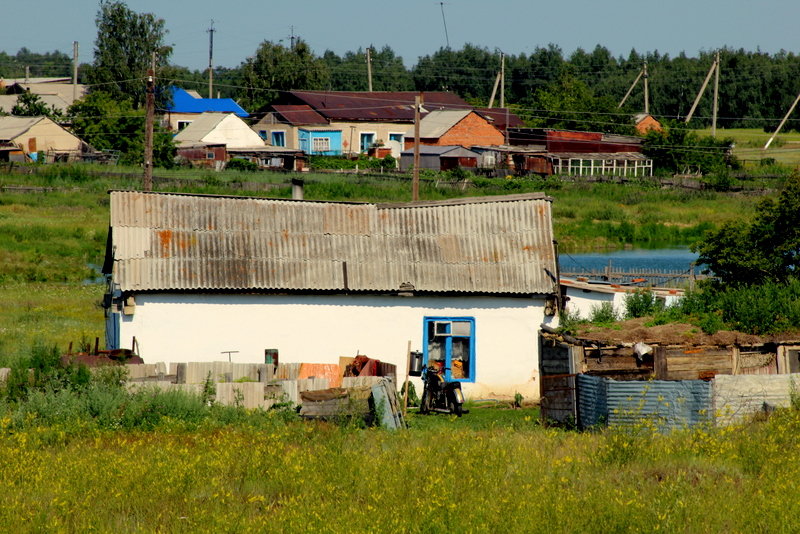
(667, 404)
(672, 404)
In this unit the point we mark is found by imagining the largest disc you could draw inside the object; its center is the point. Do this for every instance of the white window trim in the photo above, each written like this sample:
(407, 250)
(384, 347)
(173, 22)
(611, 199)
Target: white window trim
(374, 138)
(316, 140)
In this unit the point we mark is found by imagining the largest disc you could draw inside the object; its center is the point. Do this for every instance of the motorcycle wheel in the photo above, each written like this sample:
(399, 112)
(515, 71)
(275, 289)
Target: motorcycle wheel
(425, 403)
(456, 408)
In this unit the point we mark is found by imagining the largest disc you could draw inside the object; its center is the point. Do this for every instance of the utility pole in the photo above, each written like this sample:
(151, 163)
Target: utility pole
(716, 98)
(291, 30)
(502, 80)
(646, 90)
(211, 31)
(791, 109)
(147, 183)
(494, 90)
(702, 89)
(415, 180)
(444, 21)
(369, 68)
(74, 71)
(624, 98)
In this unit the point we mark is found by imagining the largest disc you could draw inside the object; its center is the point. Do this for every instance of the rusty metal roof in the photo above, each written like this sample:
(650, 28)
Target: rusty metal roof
(485, 245)
(396, 106)
(299, 115)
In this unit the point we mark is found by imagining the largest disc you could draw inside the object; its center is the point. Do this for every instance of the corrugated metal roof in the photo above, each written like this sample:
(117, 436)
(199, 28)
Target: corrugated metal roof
(185, 102)
(164, 241)
(372, 106)
(12, 127)
(299, 115)
(437, 123)
(442, 150)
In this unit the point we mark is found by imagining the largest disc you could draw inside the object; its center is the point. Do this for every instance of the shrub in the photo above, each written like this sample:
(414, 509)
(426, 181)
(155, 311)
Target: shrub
(238, 164)
(603, 314)
(641, 303)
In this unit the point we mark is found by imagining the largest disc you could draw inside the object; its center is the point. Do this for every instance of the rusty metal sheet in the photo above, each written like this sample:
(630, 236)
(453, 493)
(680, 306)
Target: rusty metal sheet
(164, 241)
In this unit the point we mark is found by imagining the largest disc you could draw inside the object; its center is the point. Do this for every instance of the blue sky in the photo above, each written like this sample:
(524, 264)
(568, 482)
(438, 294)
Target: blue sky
(415, 28)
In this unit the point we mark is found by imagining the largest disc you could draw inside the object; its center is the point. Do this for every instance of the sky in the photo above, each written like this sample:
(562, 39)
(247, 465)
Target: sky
(415, 28)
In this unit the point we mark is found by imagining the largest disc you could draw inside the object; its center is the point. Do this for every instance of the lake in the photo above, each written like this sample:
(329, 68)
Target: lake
(677, 259)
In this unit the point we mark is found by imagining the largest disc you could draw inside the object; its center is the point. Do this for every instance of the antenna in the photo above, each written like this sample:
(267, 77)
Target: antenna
(444, 21)
(211, 31)
(291, 36)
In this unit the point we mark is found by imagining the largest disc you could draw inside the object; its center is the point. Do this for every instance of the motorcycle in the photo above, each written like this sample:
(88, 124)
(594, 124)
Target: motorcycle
(439, 395)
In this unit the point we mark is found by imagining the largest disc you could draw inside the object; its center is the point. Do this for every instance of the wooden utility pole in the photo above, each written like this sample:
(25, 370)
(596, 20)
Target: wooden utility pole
(211, 31)
(74, 71)
(716, 98)
(624, 98)
(494, 90)
(791, 109)
(502, 80)
(418, 100)
(646, 90)
(369, 68)
(700, 92)
(150, 104)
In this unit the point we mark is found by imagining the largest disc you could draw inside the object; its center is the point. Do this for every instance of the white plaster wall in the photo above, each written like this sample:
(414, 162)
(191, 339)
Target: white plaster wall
(320, 329)
(582, 302)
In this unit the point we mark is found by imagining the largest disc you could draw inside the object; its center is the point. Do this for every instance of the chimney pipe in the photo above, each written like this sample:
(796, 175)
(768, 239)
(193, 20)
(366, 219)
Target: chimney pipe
(297, 189)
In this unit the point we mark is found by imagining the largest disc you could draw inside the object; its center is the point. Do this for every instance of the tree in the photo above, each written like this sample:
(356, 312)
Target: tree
(764, 250)
(677, 149)
(30, 105)
(123, 51)
(275, 68)
(110, 124)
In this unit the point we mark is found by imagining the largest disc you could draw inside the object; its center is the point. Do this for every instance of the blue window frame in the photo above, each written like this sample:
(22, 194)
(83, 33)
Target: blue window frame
(278, 138)
(449, 342)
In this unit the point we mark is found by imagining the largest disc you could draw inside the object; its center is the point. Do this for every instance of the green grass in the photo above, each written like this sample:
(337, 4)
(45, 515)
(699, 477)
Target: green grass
(785, 149)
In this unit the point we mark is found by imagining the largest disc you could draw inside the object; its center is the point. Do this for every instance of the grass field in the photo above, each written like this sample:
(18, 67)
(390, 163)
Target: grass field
(785, 149)
(273, 475)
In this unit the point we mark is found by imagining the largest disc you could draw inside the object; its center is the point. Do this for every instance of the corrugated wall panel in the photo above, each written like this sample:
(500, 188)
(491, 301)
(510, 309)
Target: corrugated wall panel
(592, 405)
(167, 241)
(736, 398)
(667, 404)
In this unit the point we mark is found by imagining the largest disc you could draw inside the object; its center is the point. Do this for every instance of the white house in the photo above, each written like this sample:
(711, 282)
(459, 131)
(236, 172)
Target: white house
(218, 129)
(468, 281)
(582, 297)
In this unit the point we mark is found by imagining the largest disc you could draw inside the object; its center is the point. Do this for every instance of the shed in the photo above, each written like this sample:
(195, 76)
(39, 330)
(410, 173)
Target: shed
(464, 280)
(40, 135)
(440, 158)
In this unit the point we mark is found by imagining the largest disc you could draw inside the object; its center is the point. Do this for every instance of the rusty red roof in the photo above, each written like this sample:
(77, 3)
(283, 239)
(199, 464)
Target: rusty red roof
(501, 118)
(395, 106)
(299, 114)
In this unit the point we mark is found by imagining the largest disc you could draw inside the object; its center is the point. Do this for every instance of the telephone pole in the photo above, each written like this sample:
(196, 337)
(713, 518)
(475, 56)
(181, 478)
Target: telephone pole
(716, 98)
(502, 80)
(714, 66)
(415, 179)
(211, 31)
(646, 89)
(74, 71)
(150, 103)
(369, 68)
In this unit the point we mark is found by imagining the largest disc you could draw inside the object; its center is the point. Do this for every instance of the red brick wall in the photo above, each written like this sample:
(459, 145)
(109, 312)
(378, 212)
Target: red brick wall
(472, 130)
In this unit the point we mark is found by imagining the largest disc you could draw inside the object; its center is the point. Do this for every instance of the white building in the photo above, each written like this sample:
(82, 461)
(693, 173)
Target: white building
(582, 297)
(467, 280)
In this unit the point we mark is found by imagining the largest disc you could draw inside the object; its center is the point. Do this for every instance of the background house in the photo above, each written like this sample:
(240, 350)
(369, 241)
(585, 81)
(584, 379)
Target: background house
(37, 137)
(461, 127)
(57, 93)
(187, 106)
(465, 280)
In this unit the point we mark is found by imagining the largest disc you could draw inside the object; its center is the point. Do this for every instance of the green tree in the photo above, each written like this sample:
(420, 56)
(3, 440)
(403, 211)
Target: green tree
(123, 51)
(764, 250)
(676, 149)
(114, 125)
(30, 105)
(275, 68)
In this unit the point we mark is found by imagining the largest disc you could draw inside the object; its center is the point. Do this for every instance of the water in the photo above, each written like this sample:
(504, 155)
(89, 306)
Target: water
(675, 259)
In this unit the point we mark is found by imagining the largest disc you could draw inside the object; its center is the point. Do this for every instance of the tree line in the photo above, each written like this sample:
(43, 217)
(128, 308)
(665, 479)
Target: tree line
(546, 87)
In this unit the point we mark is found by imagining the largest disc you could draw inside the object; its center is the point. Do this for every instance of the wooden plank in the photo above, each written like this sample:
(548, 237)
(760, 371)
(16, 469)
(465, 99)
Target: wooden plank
(660, 363)
(689, 363)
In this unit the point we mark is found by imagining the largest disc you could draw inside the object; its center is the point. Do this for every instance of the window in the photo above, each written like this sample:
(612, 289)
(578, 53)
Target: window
(262, 134)
(367, 140)
(397, 137)
(209, 155)
(183, 124)
(449, 342)
(278, 138)
(321, 144)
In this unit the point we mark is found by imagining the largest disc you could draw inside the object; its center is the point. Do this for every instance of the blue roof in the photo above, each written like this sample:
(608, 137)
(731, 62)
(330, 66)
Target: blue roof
(183, 102)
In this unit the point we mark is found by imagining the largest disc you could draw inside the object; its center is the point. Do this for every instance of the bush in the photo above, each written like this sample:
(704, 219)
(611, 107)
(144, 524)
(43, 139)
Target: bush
(641, 303)
(603, 314)
(238, 164)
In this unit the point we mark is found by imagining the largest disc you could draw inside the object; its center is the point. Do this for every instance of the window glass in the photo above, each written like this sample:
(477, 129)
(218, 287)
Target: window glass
(278, 139)
(450, 345)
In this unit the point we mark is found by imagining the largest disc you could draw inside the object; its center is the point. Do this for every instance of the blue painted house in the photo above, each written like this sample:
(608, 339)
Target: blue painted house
(186, 106)
(320, 142)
